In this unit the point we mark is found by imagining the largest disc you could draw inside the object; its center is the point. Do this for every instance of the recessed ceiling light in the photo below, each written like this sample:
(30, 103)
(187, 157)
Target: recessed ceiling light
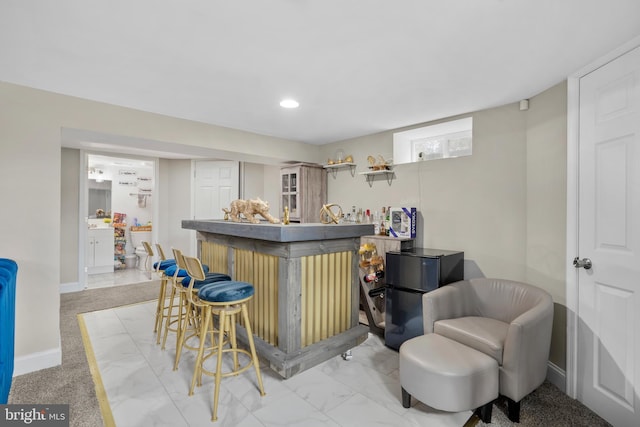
(289, 103)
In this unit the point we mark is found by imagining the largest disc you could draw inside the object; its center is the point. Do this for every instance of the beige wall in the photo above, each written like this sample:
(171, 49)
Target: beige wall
(504, 206)
(175, 191)
(69, 211)
(546, 261)
(31, 125)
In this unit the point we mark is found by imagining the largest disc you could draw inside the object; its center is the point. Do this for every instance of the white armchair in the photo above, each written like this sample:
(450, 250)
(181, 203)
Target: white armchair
(509, 321)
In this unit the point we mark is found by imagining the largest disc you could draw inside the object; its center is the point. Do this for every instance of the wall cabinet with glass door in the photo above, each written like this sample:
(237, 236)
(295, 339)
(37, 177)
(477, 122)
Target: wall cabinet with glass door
(303, 189)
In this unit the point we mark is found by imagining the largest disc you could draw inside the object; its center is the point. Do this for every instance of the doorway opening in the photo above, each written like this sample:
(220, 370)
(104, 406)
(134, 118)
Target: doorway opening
(119, 206)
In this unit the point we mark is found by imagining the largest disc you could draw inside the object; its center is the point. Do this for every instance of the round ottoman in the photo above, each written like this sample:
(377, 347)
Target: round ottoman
(447, 375)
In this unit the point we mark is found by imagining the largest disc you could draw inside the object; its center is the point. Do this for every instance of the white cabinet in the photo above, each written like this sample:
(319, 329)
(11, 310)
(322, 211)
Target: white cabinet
(99, 257)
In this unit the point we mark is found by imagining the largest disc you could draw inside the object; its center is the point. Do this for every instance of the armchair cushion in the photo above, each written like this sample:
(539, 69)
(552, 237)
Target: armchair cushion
(481, 333)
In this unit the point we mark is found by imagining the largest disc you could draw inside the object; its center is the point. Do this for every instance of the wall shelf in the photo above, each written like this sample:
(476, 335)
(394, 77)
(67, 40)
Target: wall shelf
(334, 168)
(370, 175)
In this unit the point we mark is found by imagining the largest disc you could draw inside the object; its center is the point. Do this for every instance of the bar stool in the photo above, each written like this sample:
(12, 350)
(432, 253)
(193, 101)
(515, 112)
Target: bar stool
(174, 313)
(226, 299)
(159, 267)
(189, 316)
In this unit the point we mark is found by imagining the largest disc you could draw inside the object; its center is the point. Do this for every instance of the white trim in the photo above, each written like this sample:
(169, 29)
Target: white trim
(573, 144)
(556, 376)
(37, 361)
(66, 288)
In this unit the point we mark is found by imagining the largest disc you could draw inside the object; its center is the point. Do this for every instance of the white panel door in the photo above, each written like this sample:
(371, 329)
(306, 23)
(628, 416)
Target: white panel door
(608, 359)
(216, 185)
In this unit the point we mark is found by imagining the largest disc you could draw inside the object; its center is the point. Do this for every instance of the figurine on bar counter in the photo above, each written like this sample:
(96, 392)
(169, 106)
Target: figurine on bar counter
(248, 209)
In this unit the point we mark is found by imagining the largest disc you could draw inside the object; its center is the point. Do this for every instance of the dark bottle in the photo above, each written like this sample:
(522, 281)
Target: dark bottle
(374, 277)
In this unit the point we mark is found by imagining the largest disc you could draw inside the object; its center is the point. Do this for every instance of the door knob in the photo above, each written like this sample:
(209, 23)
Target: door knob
(582, 263)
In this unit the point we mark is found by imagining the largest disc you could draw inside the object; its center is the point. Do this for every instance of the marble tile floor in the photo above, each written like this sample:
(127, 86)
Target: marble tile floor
(141, 389)
(117, 278)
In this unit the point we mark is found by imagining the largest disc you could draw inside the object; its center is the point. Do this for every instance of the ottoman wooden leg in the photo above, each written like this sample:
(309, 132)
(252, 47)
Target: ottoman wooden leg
(406, 399)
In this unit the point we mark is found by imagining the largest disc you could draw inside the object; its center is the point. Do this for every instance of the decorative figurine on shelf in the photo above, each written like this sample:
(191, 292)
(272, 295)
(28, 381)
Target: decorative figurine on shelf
(331, 213)
(285, 219)
(378, 164)
(339, 160)
(249, 208)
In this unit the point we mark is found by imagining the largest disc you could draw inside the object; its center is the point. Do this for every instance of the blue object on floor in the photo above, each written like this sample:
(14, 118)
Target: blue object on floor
(8, 273)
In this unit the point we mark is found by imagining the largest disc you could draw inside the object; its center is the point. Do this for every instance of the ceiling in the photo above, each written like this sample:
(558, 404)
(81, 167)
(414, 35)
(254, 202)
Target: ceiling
(357, 67)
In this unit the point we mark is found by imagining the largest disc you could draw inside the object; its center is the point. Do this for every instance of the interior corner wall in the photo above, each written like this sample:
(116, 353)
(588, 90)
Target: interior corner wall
(546, 205)
(69, 214)
(263, 181)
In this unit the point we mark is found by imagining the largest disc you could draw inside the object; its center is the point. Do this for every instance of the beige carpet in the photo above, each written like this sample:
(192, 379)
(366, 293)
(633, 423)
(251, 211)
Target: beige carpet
(71, 383)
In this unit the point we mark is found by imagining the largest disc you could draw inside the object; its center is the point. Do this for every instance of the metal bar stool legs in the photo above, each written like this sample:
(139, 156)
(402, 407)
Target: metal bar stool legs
(227, 299)
(226, 323)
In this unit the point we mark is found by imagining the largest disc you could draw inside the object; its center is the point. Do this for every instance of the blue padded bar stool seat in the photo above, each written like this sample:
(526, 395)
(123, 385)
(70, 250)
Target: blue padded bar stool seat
(227, 300)
(163, 264)
(226, 292)
(171, 270)
(208, 278)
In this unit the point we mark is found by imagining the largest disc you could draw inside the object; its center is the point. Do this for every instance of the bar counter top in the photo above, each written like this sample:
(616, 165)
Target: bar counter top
(292, 232)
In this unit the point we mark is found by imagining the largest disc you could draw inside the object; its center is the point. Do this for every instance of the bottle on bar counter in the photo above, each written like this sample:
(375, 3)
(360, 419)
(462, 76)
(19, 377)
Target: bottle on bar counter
(382, 229)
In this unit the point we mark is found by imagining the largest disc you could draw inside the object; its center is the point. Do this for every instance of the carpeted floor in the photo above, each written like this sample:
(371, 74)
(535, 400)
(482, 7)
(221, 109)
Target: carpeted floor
(72, 382)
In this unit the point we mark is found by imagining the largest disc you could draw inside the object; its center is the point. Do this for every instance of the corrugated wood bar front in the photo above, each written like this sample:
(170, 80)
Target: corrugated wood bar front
(326, 296)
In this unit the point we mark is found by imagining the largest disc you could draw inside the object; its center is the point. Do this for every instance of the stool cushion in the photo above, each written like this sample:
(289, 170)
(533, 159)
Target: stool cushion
(209, 278)
(447, 375)
(171, 270)
(164, 264)
(225, 291)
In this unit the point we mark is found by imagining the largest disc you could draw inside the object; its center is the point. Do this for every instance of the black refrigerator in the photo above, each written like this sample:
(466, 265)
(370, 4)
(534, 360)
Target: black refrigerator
(409, 275)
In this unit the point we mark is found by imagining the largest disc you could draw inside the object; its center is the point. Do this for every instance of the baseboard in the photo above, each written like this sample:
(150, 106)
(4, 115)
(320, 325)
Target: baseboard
(557, 376)
(37, 361)
(66, 288)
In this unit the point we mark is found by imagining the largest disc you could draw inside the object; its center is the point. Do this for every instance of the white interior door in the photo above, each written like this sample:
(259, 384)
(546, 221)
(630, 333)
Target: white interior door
(608, 353)
(216, 185)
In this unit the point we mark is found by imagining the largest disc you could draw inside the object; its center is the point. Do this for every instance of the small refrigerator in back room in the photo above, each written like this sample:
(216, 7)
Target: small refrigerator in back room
(409, 275)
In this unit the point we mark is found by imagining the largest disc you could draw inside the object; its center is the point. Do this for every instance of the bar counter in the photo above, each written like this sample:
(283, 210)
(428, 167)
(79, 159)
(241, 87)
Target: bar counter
(306, 304)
